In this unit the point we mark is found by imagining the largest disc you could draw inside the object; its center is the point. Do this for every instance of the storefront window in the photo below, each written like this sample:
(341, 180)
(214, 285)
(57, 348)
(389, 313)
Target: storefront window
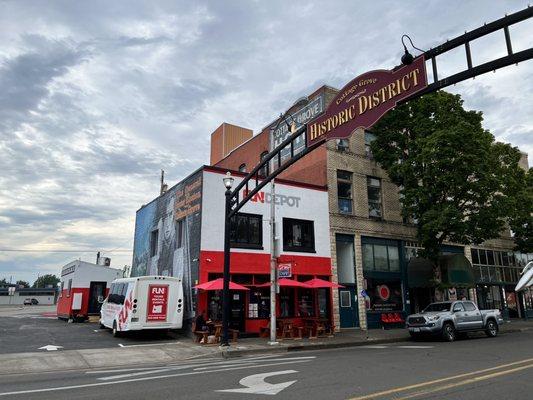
(323, 303)
(286, 296)
(528, 299)
(259, 304)
(305, 303)
(384, 295)
(214, 310)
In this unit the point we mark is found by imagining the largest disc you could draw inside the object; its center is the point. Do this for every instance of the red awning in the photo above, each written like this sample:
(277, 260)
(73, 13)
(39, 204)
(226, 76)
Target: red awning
(284, 282)
(218, 284)
(317, 283)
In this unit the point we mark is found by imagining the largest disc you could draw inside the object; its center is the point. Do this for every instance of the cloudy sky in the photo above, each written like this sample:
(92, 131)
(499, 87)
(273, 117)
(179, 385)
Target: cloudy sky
(96, 97)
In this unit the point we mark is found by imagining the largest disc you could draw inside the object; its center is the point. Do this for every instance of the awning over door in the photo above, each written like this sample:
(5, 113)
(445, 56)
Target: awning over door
(420, 273)
(456, 270)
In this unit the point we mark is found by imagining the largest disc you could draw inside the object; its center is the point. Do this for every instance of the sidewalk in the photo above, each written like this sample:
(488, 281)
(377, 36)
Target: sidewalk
(345, 338)
(183, 350)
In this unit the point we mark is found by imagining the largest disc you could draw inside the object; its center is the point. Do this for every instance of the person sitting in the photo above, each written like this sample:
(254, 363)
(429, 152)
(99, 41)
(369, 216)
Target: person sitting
(201, 323)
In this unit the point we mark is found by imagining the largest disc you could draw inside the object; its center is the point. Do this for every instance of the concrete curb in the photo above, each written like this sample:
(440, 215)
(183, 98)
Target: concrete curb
(309, 347)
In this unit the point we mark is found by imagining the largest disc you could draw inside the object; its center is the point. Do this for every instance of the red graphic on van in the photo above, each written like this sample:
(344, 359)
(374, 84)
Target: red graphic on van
(125, 311)
(157, 303)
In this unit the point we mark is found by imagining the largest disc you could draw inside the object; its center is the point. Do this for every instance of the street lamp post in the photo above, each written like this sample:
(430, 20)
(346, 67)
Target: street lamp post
(228, 183)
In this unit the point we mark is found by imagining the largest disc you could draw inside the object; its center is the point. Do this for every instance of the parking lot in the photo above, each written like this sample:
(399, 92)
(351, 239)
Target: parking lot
(26, 329)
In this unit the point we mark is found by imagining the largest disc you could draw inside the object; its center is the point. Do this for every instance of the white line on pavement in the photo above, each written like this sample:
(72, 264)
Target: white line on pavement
(203, 367)
(146, 345)
(414, 347)
(375, 346)
(146, 378)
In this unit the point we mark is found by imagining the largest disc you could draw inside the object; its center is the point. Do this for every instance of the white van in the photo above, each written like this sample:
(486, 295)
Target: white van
(144, 302)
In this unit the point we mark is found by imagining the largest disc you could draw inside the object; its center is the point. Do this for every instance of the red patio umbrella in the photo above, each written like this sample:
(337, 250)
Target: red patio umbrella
(317, 283)
(218, 284)
(284, 282)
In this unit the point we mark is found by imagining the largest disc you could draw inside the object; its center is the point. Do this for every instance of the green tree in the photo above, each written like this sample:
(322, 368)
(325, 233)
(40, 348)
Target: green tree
(46, 280)
(456, 183)
(4, 282)
(522, 221)
(23, 284)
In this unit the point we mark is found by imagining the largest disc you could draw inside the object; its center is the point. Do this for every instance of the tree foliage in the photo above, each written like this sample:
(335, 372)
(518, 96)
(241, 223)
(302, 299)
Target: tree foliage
(456, 183)
(46, 280)
(24, 284)
(522, 221)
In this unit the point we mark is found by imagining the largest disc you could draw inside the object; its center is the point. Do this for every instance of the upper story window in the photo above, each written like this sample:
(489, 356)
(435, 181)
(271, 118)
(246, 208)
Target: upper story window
(298, 235)
(380, 257)
(344, 191)
(264, 171)
(343, 144)
(154, 238)
(242, 168)
(369, 138)
(246, 231)
(180, 230)
(374, 197)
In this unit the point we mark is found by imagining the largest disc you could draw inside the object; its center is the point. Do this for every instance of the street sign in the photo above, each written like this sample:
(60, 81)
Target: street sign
(285, 270)
(363, 101)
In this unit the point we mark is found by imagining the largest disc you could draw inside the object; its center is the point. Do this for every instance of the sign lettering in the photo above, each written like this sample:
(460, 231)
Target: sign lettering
(279, 199)
(157, 303)
(363, 101)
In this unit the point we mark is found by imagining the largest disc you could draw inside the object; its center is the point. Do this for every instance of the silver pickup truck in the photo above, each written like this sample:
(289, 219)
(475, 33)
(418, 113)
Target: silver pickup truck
(450, 318)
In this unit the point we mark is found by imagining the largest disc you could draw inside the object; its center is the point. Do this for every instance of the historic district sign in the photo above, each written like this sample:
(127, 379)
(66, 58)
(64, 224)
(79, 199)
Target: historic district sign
(363, 101)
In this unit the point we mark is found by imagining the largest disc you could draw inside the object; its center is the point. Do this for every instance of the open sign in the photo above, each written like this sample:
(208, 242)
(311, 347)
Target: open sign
(284, 270)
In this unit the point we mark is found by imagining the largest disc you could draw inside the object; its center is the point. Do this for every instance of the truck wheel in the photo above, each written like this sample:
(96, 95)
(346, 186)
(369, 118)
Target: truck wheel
(492, 328)
(448, 332)
(116, 332)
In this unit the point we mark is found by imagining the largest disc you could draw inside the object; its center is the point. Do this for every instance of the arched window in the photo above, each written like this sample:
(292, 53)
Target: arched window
(263, 171)
(242, 168)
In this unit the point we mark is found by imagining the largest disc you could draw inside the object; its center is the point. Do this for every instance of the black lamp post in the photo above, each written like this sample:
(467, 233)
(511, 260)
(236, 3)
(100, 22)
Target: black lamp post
(228, 183)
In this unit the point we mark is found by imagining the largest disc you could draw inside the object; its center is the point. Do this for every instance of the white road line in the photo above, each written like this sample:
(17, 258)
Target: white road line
(414, 347)
(146, 345)
(203, 367)
(146, 378)
(375, 346)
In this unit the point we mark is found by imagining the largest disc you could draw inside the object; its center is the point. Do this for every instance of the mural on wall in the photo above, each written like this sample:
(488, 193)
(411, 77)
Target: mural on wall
(176, 218)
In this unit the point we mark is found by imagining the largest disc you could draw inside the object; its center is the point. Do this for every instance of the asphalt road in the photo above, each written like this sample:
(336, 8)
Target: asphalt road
(25, 330)
(479, 368)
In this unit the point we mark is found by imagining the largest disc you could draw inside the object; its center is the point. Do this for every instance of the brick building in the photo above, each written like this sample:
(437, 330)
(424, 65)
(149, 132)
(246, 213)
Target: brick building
(371, 245)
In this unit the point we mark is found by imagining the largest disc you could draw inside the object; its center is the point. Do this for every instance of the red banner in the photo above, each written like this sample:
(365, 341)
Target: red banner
(363, 101)
(157, 303)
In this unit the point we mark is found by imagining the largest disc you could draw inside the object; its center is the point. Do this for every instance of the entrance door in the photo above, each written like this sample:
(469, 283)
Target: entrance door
(237, 315)
(349, 311)
(96, 296)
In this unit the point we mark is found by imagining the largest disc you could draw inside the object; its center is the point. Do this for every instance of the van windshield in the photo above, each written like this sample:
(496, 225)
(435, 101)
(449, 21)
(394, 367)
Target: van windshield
(437, 307)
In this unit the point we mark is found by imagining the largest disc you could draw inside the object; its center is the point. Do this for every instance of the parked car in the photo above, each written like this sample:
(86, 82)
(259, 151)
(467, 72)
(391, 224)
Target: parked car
(30, 302)
(450, 318)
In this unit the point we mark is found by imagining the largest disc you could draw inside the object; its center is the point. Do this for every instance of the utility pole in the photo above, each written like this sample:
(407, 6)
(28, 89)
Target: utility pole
(273, 264)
